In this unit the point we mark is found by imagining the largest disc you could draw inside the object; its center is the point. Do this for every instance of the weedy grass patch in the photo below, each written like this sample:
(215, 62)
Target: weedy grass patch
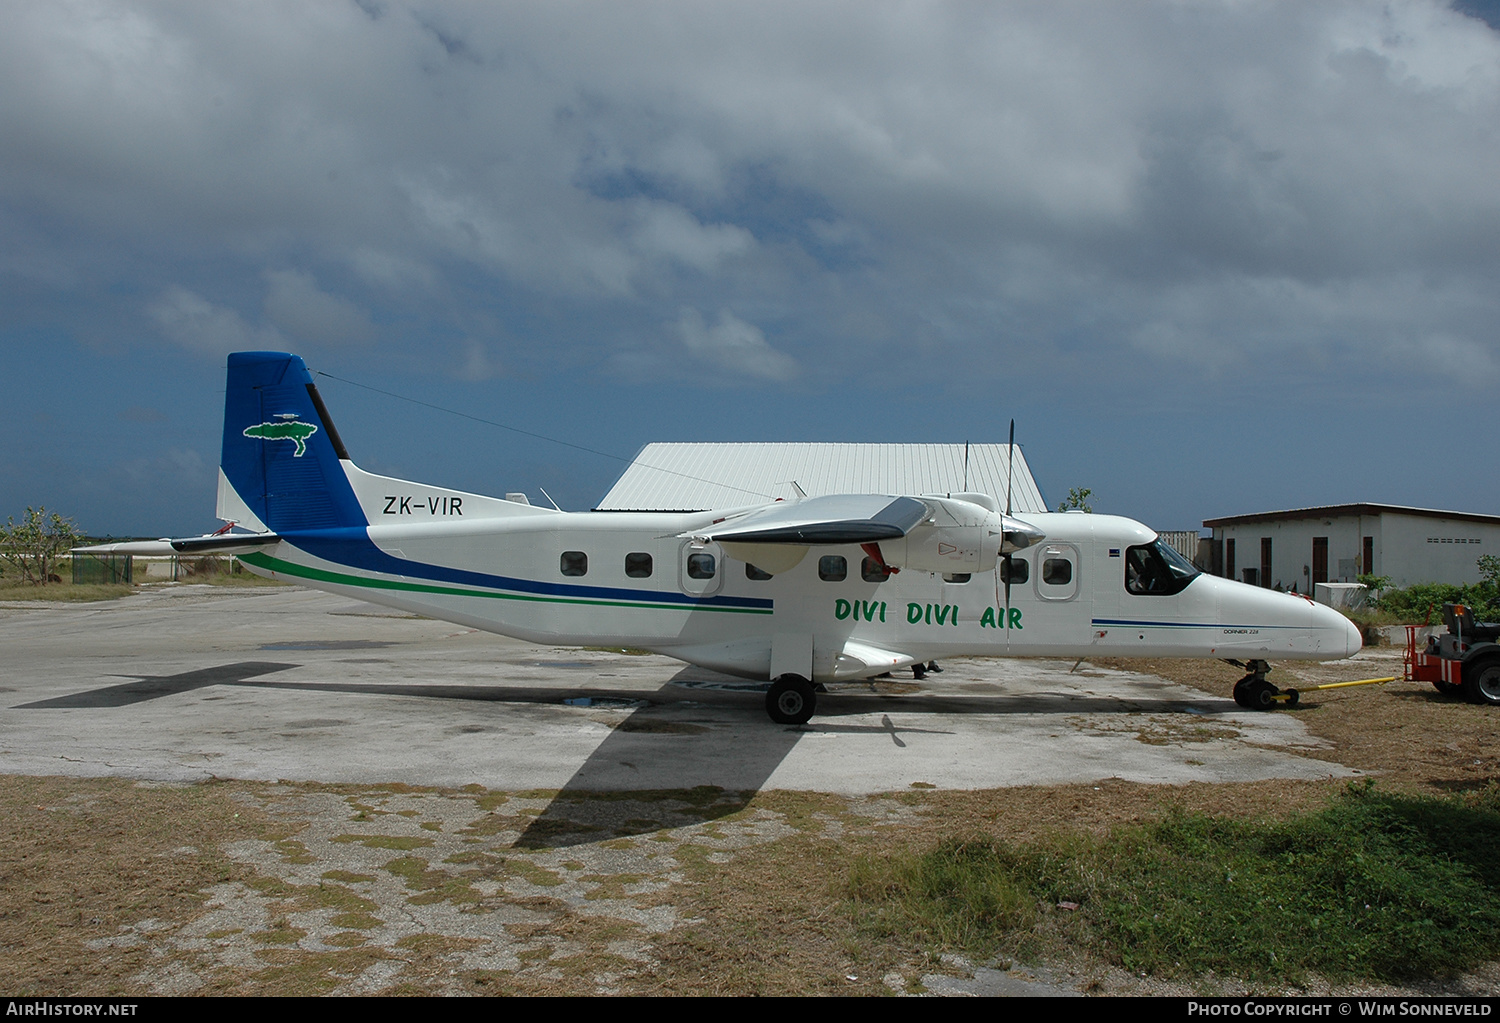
(1371, 886)
(10, 589)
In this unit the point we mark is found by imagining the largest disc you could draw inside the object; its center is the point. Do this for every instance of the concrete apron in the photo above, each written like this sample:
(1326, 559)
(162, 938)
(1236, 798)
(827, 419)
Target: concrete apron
(189, 682)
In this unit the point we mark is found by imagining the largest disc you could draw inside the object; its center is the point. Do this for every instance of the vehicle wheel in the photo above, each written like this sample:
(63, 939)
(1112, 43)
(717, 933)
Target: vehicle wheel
(1292, 696)
(791, 700)
(1261, 695)
(1482, 682)
(1447, 688)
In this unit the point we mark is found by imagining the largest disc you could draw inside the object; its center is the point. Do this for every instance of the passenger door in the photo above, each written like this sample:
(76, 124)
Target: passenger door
(1058, 568)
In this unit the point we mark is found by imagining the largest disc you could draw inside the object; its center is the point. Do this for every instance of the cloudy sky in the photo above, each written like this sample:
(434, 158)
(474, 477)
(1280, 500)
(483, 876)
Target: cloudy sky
(1213, 257)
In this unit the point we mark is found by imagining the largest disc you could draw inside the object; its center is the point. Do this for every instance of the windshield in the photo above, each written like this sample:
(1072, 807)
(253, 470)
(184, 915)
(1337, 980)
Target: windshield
(1157, 569)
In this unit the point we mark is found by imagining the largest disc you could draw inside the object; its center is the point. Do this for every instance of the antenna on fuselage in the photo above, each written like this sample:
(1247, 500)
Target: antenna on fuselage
(549, 497)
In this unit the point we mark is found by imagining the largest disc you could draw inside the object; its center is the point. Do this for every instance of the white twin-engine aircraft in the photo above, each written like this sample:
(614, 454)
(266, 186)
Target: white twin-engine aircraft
(799, 593)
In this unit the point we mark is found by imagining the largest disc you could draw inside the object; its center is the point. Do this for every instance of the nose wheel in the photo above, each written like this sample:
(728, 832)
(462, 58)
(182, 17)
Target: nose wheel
(1253, 692)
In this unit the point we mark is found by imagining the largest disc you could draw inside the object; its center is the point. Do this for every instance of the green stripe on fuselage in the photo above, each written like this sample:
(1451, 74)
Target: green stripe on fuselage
(270, 564)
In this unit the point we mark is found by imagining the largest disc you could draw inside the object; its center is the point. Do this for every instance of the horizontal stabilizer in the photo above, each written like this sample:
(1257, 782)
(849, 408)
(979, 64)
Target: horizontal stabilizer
(222, 543)
(838, 519)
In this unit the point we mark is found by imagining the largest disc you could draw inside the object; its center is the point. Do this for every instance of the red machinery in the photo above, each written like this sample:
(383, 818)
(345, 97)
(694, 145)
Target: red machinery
(1465, 659)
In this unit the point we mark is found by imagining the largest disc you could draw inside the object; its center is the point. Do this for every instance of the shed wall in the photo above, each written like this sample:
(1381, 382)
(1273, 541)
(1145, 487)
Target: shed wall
(1408, 548)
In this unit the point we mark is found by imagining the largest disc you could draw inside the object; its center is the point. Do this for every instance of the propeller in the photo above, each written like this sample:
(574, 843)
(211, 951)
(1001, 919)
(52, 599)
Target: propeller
(1010, 463)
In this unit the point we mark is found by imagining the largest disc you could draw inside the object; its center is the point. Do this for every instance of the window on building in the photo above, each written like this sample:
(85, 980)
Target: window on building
(832, 568)
(575, 563)
(1265, 561)
(1320, 560)
(638, 565)
(1229, 559)
(1369, 555)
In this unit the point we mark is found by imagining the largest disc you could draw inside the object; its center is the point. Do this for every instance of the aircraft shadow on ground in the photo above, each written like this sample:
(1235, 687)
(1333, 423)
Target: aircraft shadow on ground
(696, 749)
(153, 687)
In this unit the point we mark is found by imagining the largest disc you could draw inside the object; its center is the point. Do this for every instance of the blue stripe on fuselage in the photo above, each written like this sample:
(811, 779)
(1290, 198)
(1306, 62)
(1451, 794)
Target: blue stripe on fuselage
(1189, 625)
(353, 548)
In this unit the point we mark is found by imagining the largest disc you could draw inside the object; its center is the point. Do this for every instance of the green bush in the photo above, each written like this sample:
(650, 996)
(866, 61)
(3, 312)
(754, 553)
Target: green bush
(1412, 604)
(1373, 886)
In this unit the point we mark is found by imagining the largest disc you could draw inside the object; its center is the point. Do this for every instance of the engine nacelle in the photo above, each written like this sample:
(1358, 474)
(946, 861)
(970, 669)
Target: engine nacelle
(959, 536)
(952, 549)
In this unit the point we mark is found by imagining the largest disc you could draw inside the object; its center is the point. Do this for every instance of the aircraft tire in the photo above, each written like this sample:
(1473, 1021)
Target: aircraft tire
(1261, 695)
(1242, 693)
(1482, 682)
(791, 700)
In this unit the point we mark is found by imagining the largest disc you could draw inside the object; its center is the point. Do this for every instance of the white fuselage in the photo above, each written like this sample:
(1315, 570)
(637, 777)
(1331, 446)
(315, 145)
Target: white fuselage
(507, 575)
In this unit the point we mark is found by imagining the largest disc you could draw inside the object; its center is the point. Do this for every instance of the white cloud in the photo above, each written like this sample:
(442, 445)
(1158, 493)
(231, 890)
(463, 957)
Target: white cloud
(477, 364)
(190, 320)
(296, 305)
(734, 345)
(668, 231)
(979, 172)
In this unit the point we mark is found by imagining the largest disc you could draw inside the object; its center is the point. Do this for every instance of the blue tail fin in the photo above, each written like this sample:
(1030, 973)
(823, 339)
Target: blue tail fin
(281, 453)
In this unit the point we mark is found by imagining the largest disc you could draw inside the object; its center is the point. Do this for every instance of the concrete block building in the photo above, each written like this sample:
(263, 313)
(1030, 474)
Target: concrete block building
(1299, 548)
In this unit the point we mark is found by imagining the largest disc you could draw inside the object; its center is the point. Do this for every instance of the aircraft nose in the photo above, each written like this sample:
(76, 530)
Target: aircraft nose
(1356, 640)
(1339, 631)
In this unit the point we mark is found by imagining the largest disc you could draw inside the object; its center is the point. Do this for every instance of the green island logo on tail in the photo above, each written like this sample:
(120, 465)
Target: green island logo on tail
(290, 428)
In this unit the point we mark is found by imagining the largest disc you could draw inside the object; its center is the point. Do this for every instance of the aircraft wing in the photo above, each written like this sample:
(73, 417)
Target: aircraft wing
(836, 519)
(214, 543)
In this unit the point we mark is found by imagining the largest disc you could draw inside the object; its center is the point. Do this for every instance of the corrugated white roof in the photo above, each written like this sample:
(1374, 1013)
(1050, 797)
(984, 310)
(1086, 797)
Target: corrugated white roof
(699, 477)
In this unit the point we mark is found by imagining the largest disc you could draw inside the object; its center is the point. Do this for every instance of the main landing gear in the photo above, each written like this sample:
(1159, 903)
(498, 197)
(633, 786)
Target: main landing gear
(1253, 692)
(791, 700)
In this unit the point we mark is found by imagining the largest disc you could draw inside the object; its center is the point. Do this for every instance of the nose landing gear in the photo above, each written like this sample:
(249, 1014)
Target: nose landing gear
(1253, 692)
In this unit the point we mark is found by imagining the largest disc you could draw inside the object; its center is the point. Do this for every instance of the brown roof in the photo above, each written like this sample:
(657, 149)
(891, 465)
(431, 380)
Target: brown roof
(1332, 510)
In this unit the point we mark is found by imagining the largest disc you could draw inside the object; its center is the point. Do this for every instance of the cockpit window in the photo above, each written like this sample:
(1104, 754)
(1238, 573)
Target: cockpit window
(1157, 570)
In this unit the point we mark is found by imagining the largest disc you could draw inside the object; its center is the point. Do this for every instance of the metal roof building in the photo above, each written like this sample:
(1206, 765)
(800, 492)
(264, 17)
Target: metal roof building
(699, 477)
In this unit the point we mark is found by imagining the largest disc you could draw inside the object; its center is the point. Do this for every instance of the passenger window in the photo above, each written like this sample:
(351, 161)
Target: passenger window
(701, 566)
(1015, 570)
(751, 572)
(955, 577)
(872, 571)
(638, 566)
(575, 563)
(1057, 571)
(832, 568)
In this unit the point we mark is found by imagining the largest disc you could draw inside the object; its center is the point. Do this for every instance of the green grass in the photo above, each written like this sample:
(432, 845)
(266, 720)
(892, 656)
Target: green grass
(10, 590)
(1373, 886)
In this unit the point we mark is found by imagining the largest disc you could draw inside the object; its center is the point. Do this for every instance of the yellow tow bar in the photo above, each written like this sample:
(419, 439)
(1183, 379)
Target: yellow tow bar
(1287, 695)
(1360, 682)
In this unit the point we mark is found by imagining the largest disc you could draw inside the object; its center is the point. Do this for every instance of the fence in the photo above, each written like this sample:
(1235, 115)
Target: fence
(123, 568)
(1183, 541)
(102, 568)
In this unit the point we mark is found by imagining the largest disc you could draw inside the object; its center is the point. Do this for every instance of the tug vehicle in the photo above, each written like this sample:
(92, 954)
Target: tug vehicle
(1464, 660)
